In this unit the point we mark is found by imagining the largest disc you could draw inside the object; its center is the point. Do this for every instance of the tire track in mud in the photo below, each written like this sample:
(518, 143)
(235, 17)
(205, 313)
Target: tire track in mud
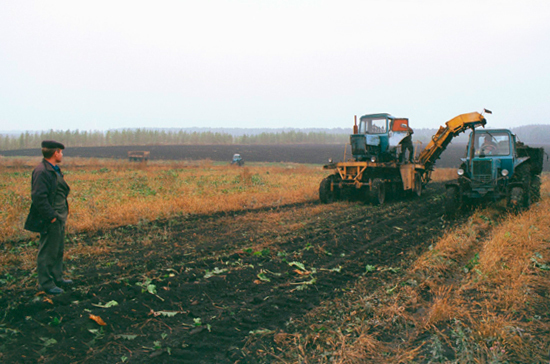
(222, 280)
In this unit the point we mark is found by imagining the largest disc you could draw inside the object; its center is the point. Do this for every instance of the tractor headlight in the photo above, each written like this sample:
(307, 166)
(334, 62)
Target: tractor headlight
(504, 172)
(373, 159)
(460, 172)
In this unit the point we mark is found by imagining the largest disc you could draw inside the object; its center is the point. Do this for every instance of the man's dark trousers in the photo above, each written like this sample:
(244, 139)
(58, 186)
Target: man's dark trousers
(50, 255)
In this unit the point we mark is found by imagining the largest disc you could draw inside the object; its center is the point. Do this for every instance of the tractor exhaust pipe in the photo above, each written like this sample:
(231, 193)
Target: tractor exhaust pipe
(355, 128)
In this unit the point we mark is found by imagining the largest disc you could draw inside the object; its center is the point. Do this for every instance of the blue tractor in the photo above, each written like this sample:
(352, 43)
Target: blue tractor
(497, 166)
(237, 160)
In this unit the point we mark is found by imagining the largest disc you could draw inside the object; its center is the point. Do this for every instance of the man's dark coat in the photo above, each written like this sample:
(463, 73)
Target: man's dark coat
(44, 187)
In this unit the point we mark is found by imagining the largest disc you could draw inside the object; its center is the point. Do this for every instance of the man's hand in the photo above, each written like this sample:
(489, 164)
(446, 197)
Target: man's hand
(54, 219)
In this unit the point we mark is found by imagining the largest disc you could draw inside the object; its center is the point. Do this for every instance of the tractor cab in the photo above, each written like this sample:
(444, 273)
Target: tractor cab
(377, 137)
(490, 156)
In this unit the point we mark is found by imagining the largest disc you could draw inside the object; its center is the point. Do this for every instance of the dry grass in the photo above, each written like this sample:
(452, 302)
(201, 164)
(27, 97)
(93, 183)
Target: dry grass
(480, 296)
(109, 193)
(444, 307)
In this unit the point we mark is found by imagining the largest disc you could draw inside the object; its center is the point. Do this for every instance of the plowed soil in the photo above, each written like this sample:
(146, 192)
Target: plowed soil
(297, 153)
(200, 289)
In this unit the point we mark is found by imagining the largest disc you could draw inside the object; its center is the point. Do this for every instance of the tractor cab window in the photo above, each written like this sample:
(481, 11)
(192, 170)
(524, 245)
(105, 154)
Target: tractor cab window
(372, 126)
(491, 144)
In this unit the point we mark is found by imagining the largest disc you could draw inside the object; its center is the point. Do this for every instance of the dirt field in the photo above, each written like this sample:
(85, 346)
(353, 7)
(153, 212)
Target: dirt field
(198, 290)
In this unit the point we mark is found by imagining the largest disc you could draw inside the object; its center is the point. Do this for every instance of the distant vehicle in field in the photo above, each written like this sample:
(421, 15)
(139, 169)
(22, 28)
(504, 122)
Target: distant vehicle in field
(138, 156)
(378, 167)
(237, 160)
(496, 166)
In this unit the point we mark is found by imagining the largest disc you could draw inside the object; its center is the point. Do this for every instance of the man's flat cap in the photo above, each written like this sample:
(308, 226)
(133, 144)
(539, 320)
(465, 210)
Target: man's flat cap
(52, 144)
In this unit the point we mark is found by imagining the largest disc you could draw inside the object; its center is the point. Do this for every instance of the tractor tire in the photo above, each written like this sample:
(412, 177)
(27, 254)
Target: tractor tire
(325, 194)
(378, 192)
(523, 175)
(452, 201)
(535, 188)
(527, 198)
(516, 199)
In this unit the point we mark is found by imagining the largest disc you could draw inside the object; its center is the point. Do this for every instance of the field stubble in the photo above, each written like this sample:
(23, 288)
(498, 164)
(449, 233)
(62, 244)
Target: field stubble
(479, 294)
(110, 193)
(261, 279)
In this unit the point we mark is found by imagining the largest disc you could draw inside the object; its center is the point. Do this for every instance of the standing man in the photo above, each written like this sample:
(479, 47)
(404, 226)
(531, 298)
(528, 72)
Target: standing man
(407, 145)
(47, 216)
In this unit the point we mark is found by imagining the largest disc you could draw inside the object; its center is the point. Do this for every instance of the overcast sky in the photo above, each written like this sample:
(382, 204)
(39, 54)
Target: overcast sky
(97, 65)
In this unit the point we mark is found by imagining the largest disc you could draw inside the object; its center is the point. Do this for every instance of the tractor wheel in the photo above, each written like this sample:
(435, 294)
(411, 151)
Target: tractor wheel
(516, 199)
(325, 194)
(452, 201)
(378, 192)
(523, 174)
(535, 188)
(527, 198)
(417, 190)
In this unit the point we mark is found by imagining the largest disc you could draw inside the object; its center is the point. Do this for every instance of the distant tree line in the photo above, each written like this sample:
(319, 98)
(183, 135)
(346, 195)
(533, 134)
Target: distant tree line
(530, 134)
(78, 138)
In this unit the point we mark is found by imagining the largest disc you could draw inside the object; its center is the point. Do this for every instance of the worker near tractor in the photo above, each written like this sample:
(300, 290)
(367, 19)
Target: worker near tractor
(407, 145)
(488, 146)
(48, 215)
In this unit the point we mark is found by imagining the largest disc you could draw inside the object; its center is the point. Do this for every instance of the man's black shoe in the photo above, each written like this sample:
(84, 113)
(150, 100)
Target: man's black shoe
(65, 281)
(54, 290)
